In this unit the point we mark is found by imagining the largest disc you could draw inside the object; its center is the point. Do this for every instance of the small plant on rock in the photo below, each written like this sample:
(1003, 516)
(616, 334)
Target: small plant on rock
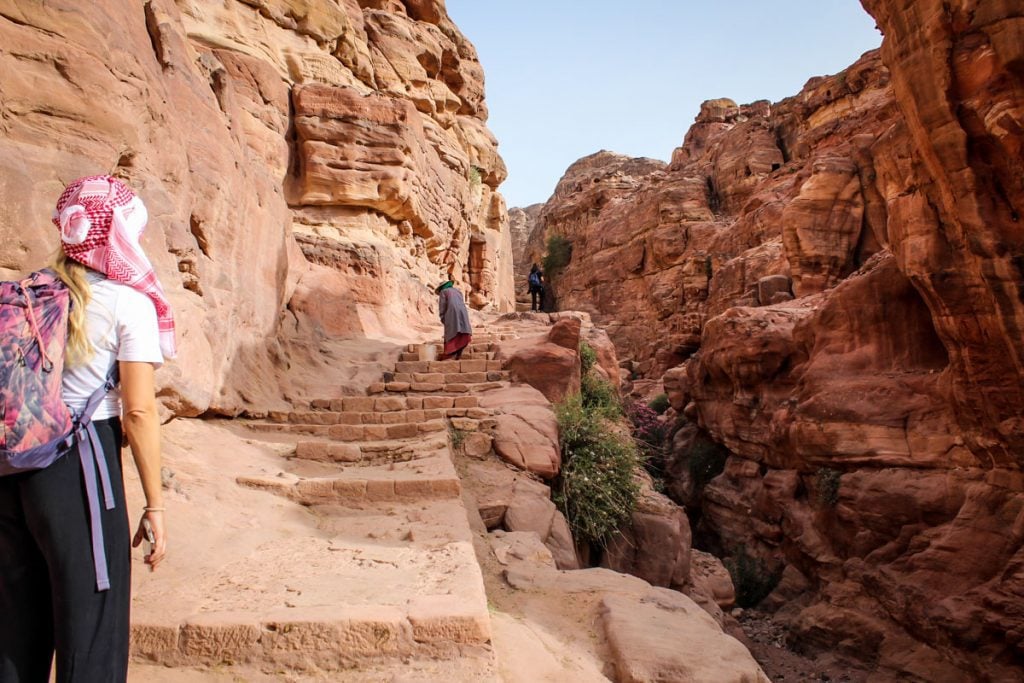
(588, 357)
(597, 393)
(827, 485)
(458, 437)
(659, 404)
(600, 396)
(558, 256)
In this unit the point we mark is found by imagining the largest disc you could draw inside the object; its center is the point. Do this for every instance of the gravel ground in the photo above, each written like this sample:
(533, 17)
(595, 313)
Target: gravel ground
(767, 642)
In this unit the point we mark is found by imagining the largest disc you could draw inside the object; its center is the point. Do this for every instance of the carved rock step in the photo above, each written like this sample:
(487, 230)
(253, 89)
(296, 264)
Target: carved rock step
(448, 366)
(406, 356)
(427, 478)
(385, 404)
(433, 387)
(478, 345)
(371, 437)
(359, 432)
(446, 377)
(320, 417)
(389, 583)
(366, 453)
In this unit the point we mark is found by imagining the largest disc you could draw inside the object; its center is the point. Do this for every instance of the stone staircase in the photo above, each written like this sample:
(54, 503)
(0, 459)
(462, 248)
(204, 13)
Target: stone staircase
(391, 578)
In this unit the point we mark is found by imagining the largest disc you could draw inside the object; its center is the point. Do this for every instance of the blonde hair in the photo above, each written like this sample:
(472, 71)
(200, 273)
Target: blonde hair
(73, 274)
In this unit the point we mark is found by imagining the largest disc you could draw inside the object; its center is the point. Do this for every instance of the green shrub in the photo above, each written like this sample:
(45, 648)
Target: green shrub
(751, 576)
(475, 176)
(597, 491)
(659, 404)
(600, 396)
(588, 357)
(827, 486)
(558, 256)
(458, 437)
(597, 393)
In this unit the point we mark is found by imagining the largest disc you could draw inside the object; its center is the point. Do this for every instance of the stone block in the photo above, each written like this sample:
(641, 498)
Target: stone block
(390, 403)
(358, 404)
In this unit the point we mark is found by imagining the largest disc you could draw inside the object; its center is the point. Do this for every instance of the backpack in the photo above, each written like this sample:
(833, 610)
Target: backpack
(535, 279)
(38, 427)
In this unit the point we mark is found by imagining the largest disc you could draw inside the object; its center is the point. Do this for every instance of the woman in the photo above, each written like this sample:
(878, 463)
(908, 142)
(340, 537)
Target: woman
(458, 333)
(51, 598)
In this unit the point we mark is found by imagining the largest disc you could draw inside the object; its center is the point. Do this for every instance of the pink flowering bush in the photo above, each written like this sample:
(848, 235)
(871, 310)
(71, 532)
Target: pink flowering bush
(651, 434)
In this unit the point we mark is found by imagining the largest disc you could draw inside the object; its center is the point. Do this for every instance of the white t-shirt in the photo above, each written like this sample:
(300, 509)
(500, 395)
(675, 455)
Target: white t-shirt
(121, 324)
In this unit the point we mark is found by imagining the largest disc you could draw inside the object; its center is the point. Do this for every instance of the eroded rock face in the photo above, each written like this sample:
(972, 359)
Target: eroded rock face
(834, 283)
(756, 193)
(309, 168)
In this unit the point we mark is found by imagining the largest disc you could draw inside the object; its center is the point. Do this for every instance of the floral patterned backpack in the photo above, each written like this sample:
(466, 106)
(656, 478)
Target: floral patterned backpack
(38, 427)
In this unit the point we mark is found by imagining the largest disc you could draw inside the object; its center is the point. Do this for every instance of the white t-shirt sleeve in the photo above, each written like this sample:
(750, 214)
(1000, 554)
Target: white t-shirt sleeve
(138, 333)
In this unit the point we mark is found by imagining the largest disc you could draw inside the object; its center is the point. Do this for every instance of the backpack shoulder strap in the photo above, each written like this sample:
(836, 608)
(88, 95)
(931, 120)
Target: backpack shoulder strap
(113, 377)
(90, 454)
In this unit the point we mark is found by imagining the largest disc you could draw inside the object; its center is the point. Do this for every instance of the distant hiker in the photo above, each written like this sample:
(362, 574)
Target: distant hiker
(65, 565)
(458, 333)
(536, 284)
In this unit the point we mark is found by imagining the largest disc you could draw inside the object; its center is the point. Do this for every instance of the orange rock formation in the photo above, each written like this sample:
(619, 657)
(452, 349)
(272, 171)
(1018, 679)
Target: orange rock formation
(837, 288)
(310, 167)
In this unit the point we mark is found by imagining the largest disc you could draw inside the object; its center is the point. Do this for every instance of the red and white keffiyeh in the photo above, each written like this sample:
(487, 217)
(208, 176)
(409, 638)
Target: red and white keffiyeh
(100, 221)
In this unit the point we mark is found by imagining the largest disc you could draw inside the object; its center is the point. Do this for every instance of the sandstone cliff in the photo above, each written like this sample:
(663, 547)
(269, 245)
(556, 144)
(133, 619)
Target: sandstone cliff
(310, 166)
(835, 282)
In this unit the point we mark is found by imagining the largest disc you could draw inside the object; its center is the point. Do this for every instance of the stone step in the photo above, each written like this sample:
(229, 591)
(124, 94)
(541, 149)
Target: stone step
(415, 357)
(434, 388)
(361, 432)
(429, 477)
(385, 404)
(368, 453)
(446, 377)
(448, 366)
(330, 418)
(393, 583)
(468, 667)
(479, 341)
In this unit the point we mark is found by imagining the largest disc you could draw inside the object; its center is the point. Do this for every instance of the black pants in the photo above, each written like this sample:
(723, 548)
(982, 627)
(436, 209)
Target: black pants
(536, 298)
(48, 596)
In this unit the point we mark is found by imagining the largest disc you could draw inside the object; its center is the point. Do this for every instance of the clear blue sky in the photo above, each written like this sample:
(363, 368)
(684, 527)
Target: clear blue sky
(566, 78)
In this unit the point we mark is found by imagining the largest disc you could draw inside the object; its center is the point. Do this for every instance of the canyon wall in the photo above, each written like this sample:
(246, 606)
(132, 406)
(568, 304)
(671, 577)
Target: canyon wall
(834, 285)
(525, 249)
(312, 168)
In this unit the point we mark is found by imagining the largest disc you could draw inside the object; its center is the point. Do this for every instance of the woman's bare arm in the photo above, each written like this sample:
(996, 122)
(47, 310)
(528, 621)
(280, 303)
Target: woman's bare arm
(142, 429)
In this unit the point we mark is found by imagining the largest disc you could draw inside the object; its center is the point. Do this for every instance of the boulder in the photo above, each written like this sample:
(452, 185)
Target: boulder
(551, 368)
(655, 545)
(526, 434)
(566, 333)
(645, 639)
(774, 289)
(711, 586)
(512, 500)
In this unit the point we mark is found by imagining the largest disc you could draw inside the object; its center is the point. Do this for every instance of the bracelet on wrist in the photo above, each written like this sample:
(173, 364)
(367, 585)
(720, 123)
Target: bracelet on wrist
(153, 509)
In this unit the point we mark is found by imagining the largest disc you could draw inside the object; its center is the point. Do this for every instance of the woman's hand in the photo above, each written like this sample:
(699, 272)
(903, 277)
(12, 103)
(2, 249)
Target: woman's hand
(156, 523)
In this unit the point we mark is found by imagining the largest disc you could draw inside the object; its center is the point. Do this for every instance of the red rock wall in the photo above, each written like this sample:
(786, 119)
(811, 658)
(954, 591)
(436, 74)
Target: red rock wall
(310, 166)
(837, 282)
